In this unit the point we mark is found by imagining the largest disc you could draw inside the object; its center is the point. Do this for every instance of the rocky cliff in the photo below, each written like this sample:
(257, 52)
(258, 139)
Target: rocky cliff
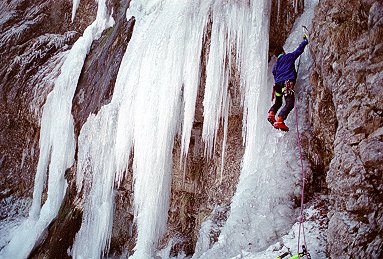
(344, 144)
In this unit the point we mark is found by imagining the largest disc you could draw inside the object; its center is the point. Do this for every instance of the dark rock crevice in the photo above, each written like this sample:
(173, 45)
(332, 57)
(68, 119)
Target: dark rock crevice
(96, 83)
(57, 240)
(282, 18)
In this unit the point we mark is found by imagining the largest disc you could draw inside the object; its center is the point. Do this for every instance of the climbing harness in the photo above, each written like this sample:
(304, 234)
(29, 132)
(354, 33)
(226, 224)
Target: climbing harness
(289, 88)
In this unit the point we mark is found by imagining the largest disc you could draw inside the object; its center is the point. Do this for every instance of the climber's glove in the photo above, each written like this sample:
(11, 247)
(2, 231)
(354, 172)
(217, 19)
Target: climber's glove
(305, 37)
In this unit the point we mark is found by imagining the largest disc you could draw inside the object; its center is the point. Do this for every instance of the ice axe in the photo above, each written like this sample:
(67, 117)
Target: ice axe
(305, 32)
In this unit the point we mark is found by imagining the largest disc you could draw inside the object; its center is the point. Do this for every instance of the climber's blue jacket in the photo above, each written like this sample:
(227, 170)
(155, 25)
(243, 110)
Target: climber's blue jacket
(284, 68)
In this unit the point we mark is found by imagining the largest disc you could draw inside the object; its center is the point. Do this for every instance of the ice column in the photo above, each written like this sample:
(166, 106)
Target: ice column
(169, 40)
(252, 53)
(156, 87)
(160, 62)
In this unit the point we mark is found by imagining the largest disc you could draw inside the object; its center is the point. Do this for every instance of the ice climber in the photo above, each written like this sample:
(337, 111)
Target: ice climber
(285, 76)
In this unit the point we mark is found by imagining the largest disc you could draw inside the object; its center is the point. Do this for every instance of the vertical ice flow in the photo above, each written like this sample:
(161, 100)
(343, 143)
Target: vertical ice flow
(262, 207)
(191, 75)
(56, 143)
(156, 87)
(95, 178)
(76, 3)
(228, 25)
(141, 118)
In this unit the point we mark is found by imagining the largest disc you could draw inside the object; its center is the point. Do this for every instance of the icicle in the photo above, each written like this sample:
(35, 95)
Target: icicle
(56, 144)
(76, 3)
(216, 85)
(156, 123)
(225, 36)
(191, 75)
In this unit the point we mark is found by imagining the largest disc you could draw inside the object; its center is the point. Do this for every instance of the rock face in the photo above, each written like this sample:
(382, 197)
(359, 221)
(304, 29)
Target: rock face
(27, 56)
(32, 40)
(347, 114)
(96, 83)
(282, 18)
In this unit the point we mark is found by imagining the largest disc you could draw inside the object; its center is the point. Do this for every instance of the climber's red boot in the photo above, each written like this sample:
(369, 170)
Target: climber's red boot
(271, 117)
(279, 124)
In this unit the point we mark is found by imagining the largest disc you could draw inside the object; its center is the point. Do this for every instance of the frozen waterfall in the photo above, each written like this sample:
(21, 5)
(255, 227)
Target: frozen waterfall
(153, 102)
(262, 207)
(155, 95)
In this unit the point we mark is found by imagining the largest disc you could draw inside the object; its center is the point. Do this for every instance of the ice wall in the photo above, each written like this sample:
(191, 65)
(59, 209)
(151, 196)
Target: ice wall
(262, 207)
(154, 99)
(57, 146)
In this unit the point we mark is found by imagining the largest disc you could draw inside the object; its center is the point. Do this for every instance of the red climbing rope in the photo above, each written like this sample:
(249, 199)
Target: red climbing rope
(301, 217)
